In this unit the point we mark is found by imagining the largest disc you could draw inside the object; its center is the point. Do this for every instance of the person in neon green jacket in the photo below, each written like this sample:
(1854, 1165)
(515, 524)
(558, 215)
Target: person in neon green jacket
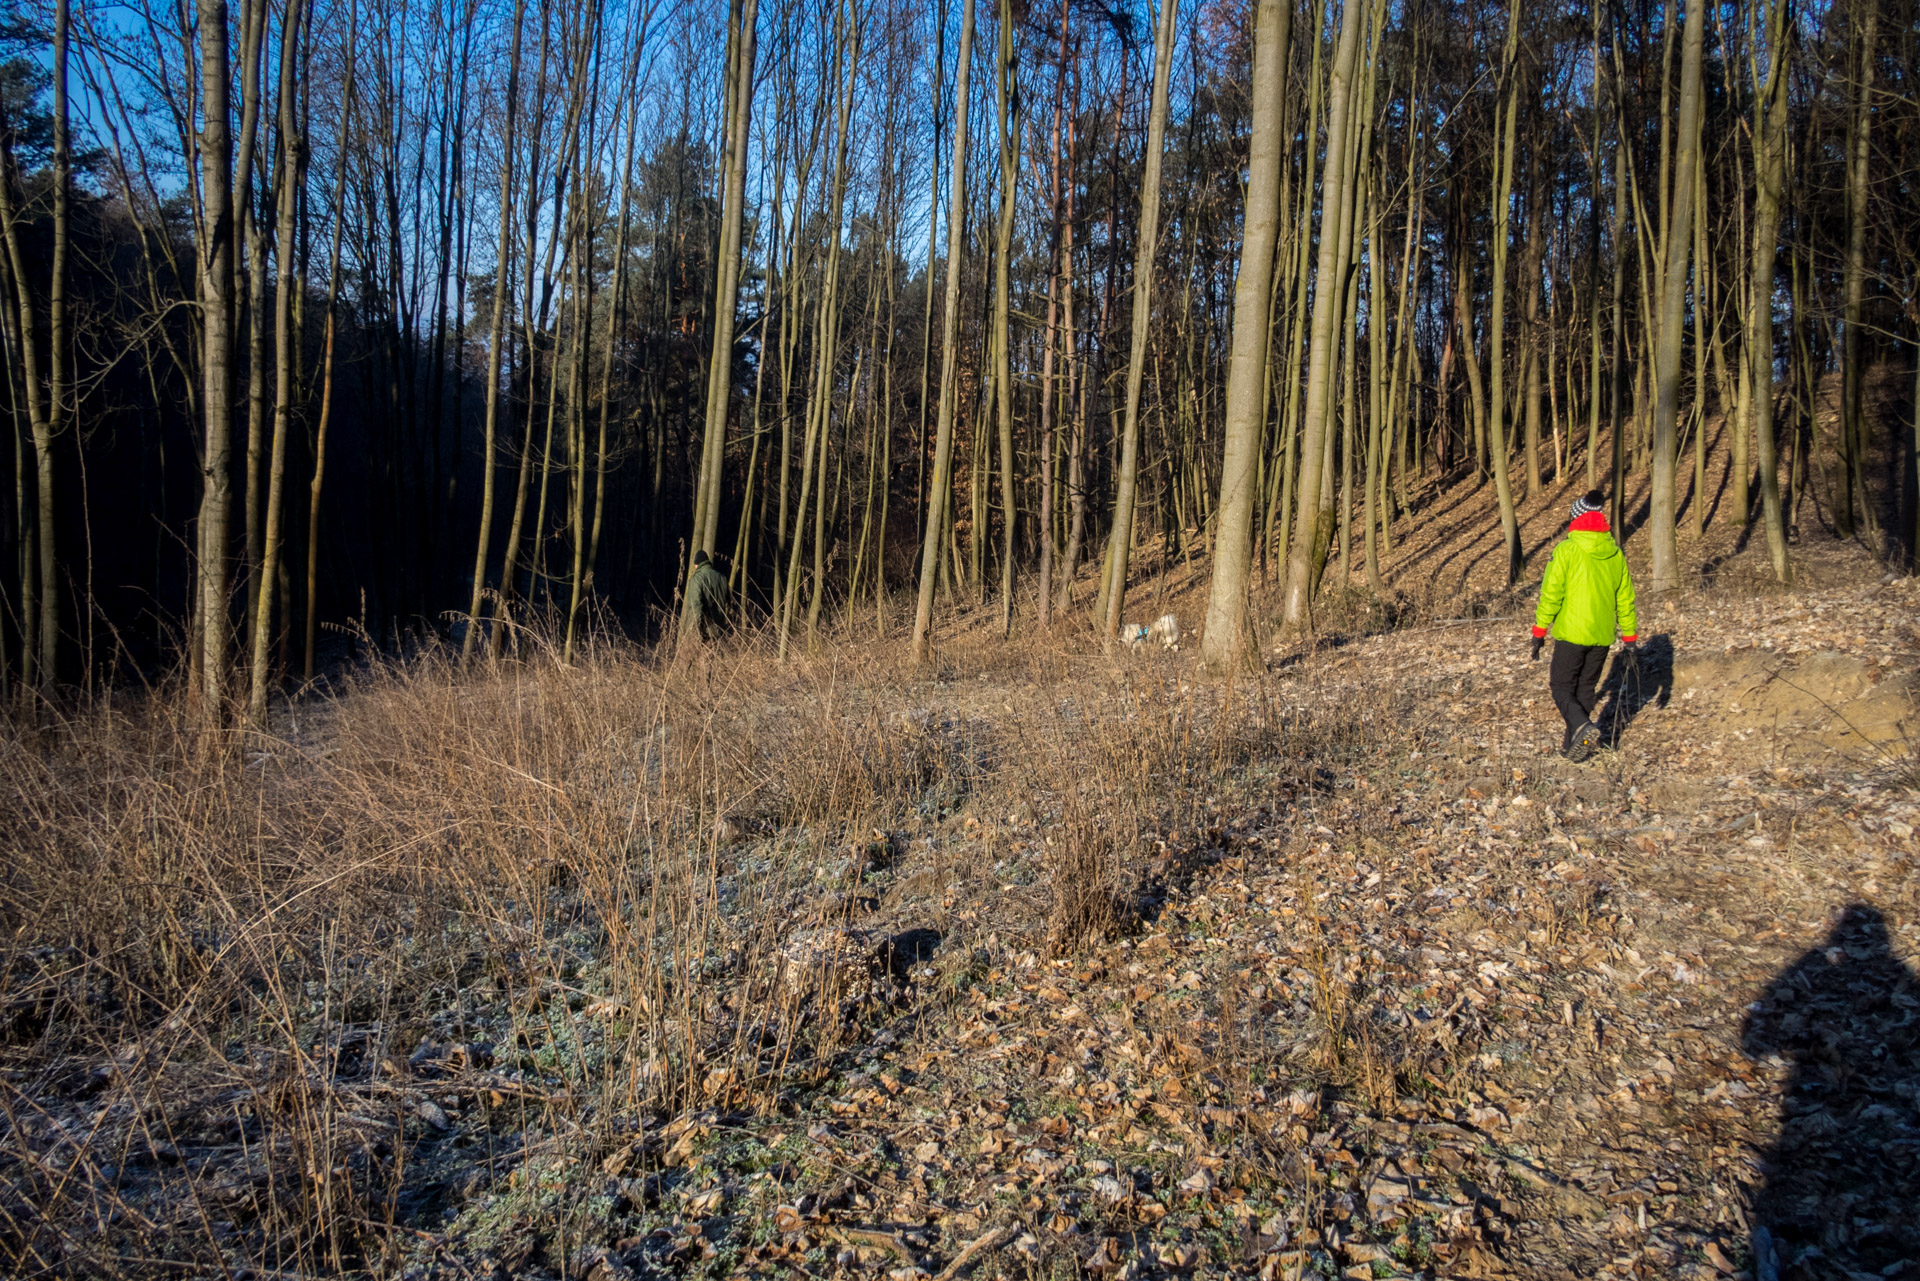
(1586, 594)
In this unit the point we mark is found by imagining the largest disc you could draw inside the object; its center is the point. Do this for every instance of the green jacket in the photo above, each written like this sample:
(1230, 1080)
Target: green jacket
(707, 599)
(1587, 591)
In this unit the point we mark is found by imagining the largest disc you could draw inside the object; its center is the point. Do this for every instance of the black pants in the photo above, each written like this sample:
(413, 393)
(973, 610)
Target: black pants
(1575, 683)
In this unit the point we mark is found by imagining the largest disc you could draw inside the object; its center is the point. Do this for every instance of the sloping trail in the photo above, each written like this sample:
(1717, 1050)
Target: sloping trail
(1411, 995)
(1760, 811)
(1467, 1009)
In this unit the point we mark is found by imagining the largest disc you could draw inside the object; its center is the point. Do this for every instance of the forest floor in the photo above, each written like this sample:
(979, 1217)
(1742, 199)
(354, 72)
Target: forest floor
(1457, 1007)
(1566, 961)
(1066, 964)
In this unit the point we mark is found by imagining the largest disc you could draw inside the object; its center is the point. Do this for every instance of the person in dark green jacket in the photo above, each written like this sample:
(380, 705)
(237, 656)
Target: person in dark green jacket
(1587, 593)
(708, 598)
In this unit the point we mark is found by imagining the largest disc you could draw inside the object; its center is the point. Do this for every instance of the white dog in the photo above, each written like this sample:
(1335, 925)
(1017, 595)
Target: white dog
(1165, 629)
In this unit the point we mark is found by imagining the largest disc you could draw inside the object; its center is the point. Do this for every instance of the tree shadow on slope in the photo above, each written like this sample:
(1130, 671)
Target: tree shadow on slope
(1634, 683)
(1842, 1192)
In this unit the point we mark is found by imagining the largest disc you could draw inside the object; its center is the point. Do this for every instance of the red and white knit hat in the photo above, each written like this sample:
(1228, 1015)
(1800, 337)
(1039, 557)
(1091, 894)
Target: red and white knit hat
(1591, 501)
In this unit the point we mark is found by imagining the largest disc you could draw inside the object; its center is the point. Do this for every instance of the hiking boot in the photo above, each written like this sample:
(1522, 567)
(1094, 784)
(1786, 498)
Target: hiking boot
(1585, 740)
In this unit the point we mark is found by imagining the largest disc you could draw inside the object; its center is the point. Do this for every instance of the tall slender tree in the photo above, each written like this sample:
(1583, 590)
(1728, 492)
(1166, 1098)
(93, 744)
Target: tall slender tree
(742, 22)
(1007, 115)
(1853, 506)
(291, 174)
(933, 527)
(496, 331)
(215, 252)
(1664, 574)
(1323, 340)
(1771, 65)
(1222, 643)
(1506, 125)
(1147, 245)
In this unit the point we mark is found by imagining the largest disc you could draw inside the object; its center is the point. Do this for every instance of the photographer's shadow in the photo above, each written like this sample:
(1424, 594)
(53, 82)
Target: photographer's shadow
(1634, 683)
(1842, 1192)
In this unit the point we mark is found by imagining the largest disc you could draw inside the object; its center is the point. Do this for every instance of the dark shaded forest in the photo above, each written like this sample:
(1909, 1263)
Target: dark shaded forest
(344, 323)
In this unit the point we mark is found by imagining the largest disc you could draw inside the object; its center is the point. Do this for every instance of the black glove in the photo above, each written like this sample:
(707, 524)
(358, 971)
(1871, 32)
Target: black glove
(1538, 643)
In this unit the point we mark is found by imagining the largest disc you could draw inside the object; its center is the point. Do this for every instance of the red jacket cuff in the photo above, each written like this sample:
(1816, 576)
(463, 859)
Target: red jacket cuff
(1631, 639)
(1539, 633)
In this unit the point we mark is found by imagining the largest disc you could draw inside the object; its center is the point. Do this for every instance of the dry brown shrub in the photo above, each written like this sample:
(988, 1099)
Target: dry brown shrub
(217, 959)
(242, 942)
(1086, 867)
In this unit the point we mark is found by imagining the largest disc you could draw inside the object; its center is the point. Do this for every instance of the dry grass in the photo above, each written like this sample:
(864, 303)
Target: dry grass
(613, 878)
(636, 890)
(233, 949)
(629, 895)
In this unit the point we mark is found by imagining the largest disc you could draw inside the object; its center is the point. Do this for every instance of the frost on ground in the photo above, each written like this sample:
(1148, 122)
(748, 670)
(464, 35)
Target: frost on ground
(1333, 970)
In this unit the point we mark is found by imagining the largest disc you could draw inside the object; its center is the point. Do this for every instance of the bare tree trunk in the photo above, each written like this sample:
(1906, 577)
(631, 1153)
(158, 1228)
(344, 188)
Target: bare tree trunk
(706, 525)
(1702, 305)
(23, 560)
(1733, 385)
(1357, 216)
(1376, 404)
(1007, 116)
(615, 322)
(216, 354)
(1348, 409)
(1055, 269)
(1594, 184)
(533, 325)
(826, 350)
(60, 346)
(36, 579)
(496, 335)
(1853, 505)
(292, 174)
(1323, 341)
(1074, 374)
(1404, 381)
(575, 517)
(979, 473)
(1496, 337)
(1222, 643)
(46, 399)
(253, 308)
(939, 52)
(1280, 514)
(1470, 356)
(792, 296)
(1617, 338)
(885, 375)
(949, 336)
(252, 303)
(1121, 537)
(1913, 449)
(1532, 263)
(1769, 134)
(1665, 573)
(326, 417)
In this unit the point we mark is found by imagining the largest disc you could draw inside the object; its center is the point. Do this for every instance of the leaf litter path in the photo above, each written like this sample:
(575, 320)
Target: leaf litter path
(1455, 1009)
(1500, 1000)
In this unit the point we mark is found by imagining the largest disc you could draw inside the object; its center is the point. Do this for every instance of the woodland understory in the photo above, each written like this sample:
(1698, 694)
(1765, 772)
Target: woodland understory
(334, 325)
(403, 874)
(1034, 960)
